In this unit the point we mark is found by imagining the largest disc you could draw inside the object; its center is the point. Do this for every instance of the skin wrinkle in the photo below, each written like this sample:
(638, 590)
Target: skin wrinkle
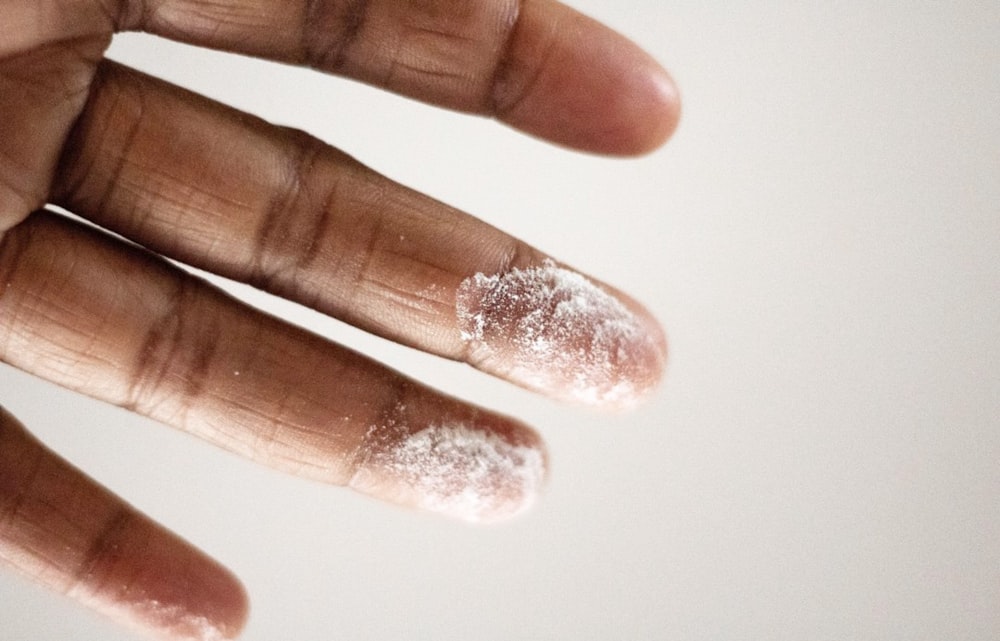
(321, 229)
(73, 152)
(505, 39)
(287, 240)
(434, 43)
(320, 50)
(73, 173)
(399, 65)
(104, 551)
(64, 315)
(167, 339)
(347, 269)
(407, 298)
(134, 124)
(495, 102)
(363, 275)
(142, 374)
(123, 15)
(290, 283)
(443, 34)
(54, 307)
(286, 433)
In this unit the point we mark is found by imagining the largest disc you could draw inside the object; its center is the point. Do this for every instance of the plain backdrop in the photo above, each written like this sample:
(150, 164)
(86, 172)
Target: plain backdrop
(821, 240)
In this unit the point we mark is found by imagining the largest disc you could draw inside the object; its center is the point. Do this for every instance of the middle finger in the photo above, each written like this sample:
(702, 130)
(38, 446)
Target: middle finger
(217, 189)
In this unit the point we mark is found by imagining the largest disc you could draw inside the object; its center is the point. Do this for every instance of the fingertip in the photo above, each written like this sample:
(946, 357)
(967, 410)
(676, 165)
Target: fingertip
(554, 331)
(217, 617)
(464, 464)
(635, 103)
(655, 112)
(172, 591)
(234, 606)
(571, 80)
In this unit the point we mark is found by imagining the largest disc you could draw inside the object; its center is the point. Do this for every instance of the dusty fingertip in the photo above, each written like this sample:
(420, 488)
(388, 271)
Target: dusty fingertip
(200, 601)
(554, 331)
(455, 467)
(173, 623)
(165, 589)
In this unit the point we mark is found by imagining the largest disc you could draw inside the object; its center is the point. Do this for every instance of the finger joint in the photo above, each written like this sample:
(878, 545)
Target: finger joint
(329, 30)
(176, 354)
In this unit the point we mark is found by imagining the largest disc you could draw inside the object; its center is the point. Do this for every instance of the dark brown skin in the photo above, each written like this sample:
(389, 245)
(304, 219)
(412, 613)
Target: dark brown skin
(199, 182)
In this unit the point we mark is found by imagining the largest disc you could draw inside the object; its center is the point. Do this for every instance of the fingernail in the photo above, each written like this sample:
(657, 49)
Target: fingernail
(554, 331)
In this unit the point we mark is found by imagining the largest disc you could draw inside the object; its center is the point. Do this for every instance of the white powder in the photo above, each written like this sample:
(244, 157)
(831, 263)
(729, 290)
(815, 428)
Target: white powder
(175, 623)
(452, 469)
(552, 330)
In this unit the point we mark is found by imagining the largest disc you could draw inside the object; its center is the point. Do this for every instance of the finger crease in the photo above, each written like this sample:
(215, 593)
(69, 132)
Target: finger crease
(124, 126)
(508, 90)
(105, 551)
(175, 347)
(291, 230)
(502, 70)
(329, 31)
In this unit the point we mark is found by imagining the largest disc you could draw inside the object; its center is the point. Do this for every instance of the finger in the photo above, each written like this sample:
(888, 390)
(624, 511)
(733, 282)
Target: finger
(535, 64)
(64, 531)
(214, 188)
(122, 325)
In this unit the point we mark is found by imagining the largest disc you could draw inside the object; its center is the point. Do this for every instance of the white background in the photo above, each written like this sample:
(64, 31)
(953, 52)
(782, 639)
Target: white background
(822, 242)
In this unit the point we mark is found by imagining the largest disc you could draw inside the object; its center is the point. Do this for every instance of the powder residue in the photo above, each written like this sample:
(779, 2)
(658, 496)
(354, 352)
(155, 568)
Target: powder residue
(552, 330)
(175, 622)
(460, 471)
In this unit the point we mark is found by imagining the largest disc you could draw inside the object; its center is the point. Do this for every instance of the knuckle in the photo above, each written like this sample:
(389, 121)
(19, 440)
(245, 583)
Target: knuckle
(296, 221)
(498, 95)
(329, 30)
(174, 359)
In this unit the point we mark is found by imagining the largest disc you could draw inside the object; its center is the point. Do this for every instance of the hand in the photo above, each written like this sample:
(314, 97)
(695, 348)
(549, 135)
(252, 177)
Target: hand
(195, 181)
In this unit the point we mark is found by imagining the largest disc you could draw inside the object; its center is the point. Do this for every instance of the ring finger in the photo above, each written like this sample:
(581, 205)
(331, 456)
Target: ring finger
(115, 322)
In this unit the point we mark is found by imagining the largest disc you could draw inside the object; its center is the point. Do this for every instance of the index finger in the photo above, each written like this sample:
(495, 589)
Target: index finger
(536, 65)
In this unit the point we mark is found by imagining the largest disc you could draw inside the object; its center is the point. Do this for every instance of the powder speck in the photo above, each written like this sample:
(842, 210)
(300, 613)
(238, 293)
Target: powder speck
(553, 330)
